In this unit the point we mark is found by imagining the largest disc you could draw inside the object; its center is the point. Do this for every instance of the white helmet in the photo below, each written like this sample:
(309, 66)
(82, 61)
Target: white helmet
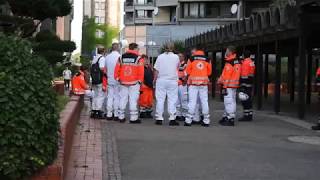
(243, 96)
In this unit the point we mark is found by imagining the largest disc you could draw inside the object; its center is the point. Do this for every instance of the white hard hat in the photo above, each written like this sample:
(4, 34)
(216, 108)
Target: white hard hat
(243, 96)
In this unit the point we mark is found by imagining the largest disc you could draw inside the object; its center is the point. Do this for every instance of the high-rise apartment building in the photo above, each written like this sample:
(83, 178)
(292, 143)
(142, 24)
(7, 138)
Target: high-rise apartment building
(157, 21)
(63, 26)
(104, 11)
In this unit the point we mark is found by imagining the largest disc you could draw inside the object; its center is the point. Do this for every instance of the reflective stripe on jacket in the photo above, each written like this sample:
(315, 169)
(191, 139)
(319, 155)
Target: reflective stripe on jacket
(198, 69)
(79, 84)
(230, 76)
(247, 72)
(129, 69)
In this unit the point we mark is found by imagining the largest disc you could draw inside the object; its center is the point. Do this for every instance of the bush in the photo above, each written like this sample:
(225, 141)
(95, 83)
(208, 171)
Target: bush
(28, 115)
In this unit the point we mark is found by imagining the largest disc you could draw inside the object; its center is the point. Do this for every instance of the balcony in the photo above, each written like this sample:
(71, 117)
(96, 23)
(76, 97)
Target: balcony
(143, 20)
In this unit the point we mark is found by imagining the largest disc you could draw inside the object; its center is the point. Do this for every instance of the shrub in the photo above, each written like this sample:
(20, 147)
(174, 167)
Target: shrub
(28, 116)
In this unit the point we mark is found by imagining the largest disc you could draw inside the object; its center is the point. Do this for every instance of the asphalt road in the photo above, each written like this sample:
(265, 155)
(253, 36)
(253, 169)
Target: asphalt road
(258, 150)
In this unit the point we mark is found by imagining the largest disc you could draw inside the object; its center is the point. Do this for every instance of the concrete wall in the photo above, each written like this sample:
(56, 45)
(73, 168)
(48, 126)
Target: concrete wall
(136, 34)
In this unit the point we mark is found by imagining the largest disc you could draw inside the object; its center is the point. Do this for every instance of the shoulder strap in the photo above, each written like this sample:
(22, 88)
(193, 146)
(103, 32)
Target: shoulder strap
(98, 60)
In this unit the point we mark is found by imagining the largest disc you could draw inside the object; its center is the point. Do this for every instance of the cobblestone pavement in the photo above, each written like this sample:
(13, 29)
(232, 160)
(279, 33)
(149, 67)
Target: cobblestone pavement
(258, 150)
(86, 156)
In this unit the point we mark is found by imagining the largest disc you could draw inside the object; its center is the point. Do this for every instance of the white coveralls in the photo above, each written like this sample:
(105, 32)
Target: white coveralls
(113, 97)
(167, 84)
(182, 103)
(132, 93)
(98, 94)
(196, 92)
(230, 104)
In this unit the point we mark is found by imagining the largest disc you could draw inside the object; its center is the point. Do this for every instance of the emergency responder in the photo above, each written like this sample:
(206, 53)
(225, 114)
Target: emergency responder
(129, 72)
(317, 127)
(113, 85)
(166, 79)
(230, 80)
(146, 90)
(182, 103)
(98, 86)
(198, 70)
(79, 85)
(246, 83)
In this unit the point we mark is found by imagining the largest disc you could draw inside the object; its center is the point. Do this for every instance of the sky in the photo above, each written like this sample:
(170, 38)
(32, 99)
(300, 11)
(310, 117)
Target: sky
(76, 25)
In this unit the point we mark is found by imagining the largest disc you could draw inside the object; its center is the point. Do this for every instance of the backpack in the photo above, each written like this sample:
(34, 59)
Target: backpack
(96, 73)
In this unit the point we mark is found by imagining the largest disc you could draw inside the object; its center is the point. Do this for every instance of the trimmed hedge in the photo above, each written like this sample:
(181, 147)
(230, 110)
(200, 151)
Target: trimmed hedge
(28, 116)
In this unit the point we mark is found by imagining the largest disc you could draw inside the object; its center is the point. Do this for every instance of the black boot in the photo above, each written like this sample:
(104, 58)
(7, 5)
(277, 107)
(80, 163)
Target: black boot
(135, 122)
(187, 124)
(246, 118)
(228, 122)
(143, 115)
(100, 115)
(93, 114)
(173, 123)
(179, 118)
(316, 127)
(158, 122)
(122, 120)
(149, 115)
(116, 118)
(204, 124)
(223, 120)
(109, 118)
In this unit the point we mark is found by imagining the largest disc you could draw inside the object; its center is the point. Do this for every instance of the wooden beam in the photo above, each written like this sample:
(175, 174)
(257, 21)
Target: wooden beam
(214, 74)
(301, 77)
(291, 76)
(309, 77)
(259, 76)
(277, 89)
(266, 75)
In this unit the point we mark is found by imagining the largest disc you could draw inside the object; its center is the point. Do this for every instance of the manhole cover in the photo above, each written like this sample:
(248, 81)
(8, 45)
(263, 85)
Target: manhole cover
(315, 140)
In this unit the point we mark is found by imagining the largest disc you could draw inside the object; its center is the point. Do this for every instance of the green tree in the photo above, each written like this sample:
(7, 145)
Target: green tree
(49, 46)
(26, 11)
(89, 38)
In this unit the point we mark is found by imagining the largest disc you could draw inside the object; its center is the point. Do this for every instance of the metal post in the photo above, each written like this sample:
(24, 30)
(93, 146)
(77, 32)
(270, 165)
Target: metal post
(277, 88)
(266, 75)
(291, 77)
(222, 66)
(259, 75)
(309, 77)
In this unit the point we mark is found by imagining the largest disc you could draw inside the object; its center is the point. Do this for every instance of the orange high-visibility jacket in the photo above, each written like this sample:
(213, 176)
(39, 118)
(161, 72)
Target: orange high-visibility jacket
(146, 96)
(182, 72)
(79, 84)
(247, 72)
(198, 69)
(230, 76)
(129, 69)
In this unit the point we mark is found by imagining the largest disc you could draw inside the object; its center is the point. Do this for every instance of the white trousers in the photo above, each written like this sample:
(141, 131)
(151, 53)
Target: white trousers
(182, 103)
(131, 94)
(98, 97)
(202, 93)
(169, 89)
(198, 111)
(230, 104)
(113, 100)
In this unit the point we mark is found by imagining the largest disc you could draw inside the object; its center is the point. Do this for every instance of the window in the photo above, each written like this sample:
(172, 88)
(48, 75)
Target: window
(143, 14)
(99, 34)
(207, 10)
(100, 6)
(99, 20)
(96, 19)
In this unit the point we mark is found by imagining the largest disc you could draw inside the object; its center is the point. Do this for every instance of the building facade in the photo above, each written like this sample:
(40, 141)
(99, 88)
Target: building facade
(157, 21)
(104, 11)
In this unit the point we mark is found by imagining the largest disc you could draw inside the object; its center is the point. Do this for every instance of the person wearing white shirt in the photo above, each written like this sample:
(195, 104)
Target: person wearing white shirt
(67, 77)
(113, 97)
(166, 77)
(98, 90)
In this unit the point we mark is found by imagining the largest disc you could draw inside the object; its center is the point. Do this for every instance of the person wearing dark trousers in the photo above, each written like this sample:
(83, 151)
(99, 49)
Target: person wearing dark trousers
(246, 84)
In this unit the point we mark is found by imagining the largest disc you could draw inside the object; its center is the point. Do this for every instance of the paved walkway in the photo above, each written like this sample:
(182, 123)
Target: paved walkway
(86, 157)
(258, 150)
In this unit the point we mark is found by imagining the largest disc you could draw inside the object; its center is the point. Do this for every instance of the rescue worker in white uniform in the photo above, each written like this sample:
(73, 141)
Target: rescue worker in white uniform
(230, 78)
(113, 97)
(129, 72)
(198, 69)
(98, 89)
(166, 78)
(182, 103)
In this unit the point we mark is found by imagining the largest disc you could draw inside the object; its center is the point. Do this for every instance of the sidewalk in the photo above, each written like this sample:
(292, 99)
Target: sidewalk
(86, 157)
(108, 150)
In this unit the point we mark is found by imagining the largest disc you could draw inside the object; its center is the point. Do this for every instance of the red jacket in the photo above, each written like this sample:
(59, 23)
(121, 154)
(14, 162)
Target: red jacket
(198, 69)
(230, 77)
(129, 69)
